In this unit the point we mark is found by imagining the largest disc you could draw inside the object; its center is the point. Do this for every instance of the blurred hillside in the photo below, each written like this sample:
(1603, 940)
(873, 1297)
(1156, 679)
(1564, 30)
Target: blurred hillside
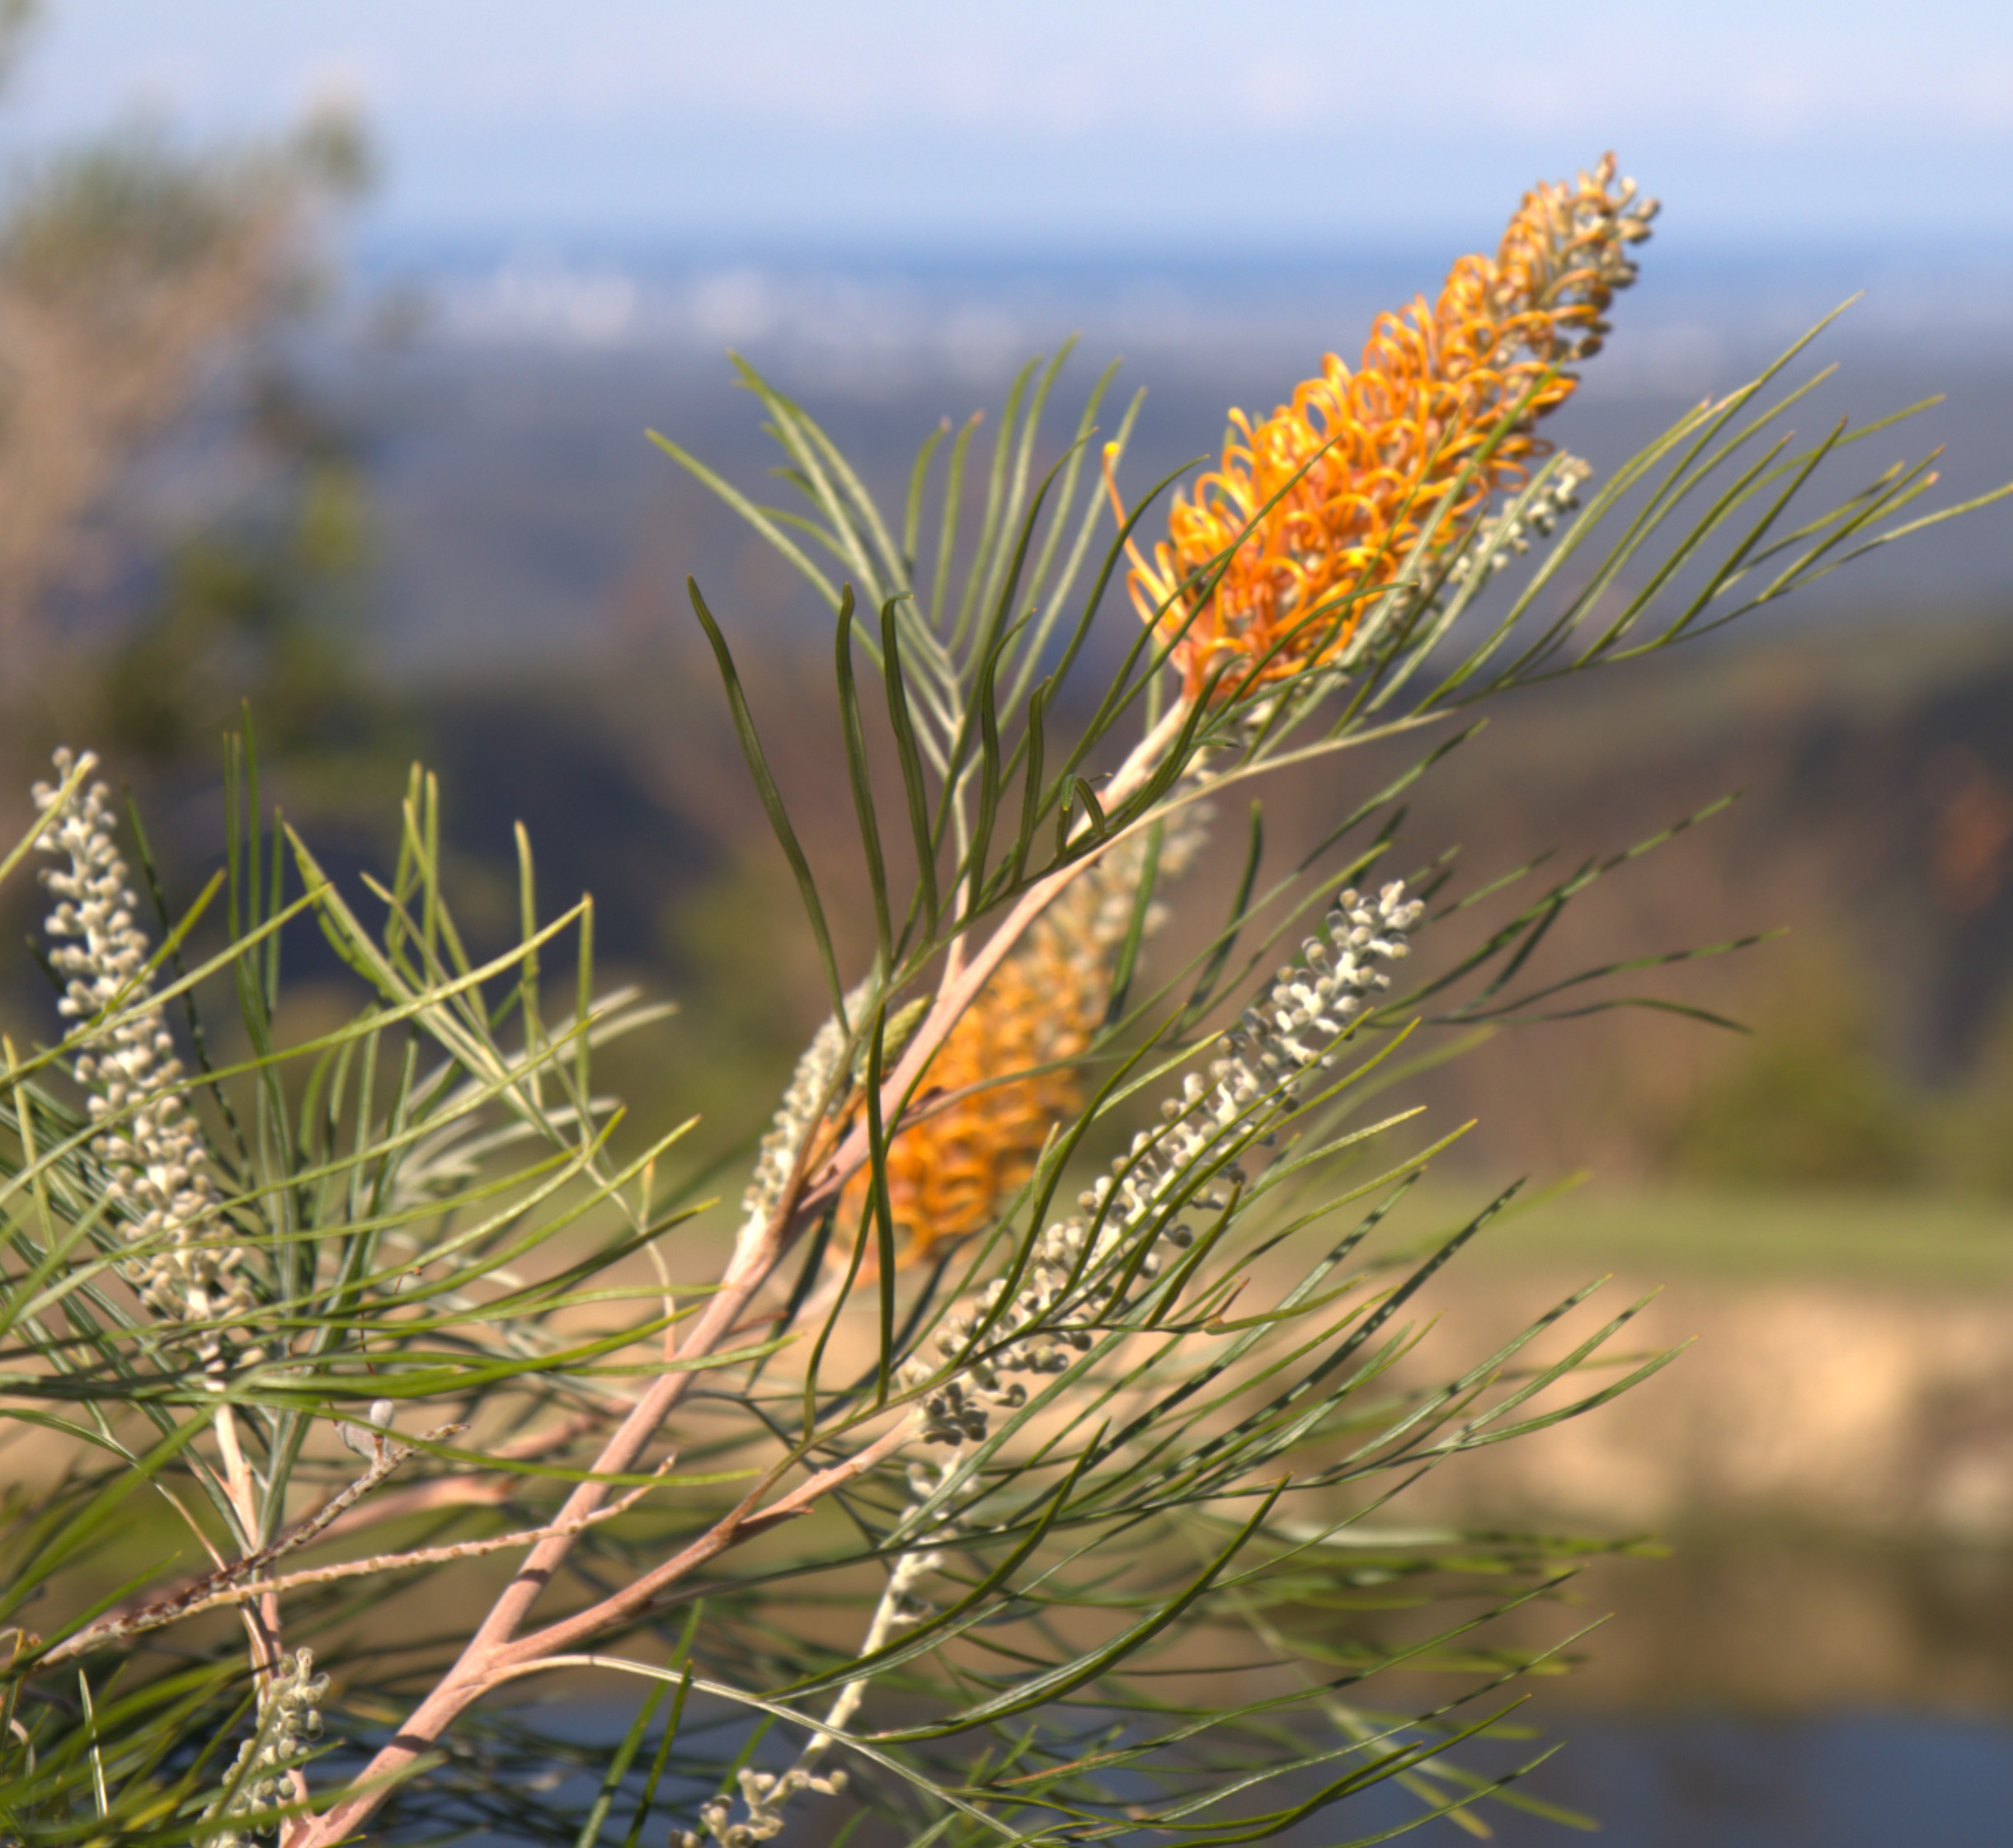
(418, 516)
(524, 516)
(1874, 826)
(480, 562)
(395, 499)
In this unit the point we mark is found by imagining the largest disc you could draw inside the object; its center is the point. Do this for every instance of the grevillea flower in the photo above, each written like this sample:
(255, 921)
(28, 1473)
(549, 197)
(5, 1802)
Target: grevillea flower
(1325, 498)
(1009, 1067)
(157, 1172)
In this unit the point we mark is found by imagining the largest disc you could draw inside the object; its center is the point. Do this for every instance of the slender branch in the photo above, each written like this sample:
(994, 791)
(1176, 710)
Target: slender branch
(261, 1620)
(445, 1491)
(481, 1667)
(962, 982)
(743, 1523)
(762, 1245)
(158, 1617)
(226, 1584)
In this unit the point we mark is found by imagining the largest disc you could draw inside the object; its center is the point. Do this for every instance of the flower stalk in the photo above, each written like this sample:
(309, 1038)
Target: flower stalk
(184, 1264)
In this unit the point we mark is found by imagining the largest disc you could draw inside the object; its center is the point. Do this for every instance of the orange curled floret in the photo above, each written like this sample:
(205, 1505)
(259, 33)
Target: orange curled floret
(1267, 561)
(1008, 1070)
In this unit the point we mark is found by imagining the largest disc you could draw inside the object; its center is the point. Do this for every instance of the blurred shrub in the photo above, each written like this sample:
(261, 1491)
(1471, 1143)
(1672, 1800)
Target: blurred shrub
(182, 531)
(728, 939)
(126, 267)
(260, 605)
(1978, 1144)
(1810, 1100)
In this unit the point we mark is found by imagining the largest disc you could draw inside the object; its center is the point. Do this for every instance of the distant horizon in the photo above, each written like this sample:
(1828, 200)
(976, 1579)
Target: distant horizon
(448, 243)
(1697, 312)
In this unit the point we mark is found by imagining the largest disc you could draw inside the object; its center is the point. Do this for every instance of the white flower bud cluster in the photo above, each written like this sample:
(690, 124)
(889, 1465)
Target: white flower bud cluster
(764, 1794)
(158, 1166)
(1508, 535)
(290, 1722)
(1273, 1047)
(796, 1116)
(1604, 230)
(900, 1607)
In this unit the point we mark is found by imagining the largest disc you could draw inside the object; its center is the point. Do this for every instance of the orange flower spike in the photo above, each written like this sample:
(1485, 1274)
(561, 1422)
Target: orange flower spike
(1012, 1053)
(947, 1173)
(1350, 471)
(948, 1170)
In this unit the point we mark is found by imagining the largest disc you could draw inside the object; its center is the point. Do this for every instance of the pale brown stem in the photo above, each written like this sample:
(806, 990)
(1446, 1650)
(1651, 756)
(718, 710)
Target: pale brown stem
(423, 1498)
(262, 1622)
(455, 1491)
(263, 1627)
(746, 1272)
(330, 1516)
(743, 1523)
(962, 984)
(171, 1611)
(477, 1671)
(756, 1254)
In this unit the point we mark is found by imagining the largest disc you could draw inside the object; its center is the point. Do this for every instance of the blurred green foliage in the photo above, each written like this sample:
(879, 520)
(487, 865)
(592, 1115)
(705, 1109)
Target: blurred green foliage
(739, 1026)
(260, 606)
(150, 288)
(1808, 1100)
(1978, 1144)
(1815, 1100)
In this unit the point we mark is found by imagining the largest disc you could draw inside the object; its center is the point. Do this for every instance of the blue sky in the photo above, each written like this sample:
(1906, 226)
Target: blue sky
(1276, 126)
